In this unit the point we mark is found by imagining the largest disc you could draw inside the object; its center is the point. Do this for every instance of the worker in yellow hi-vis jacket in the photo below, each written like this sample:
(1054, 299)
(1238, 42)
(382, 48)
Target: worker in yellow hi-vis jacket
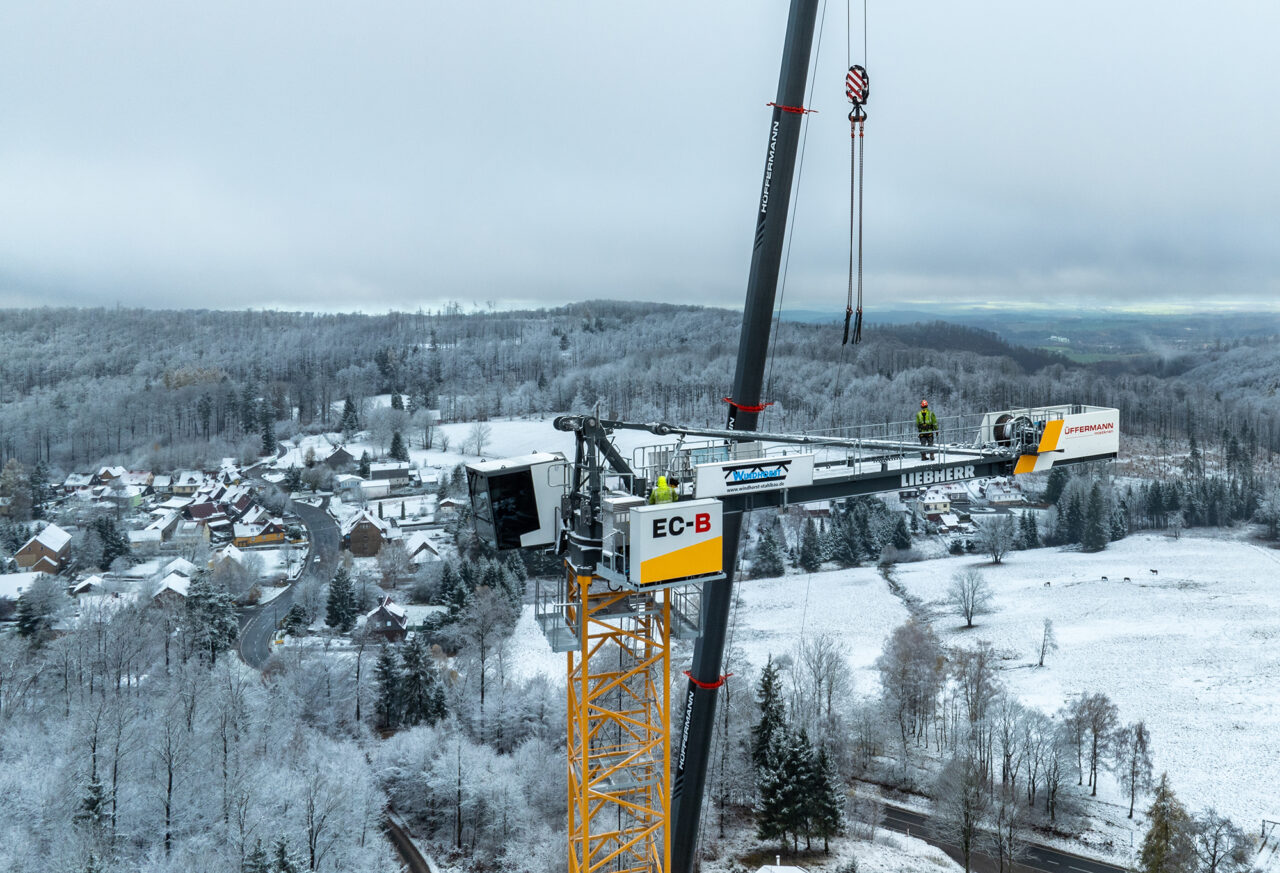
(662, 492)
(926, 427)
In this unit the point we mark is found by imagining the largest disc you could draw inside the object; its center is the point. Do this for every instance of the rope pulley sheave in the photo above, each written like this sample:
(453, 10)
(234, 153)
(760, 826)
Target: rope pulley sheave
(857, 89)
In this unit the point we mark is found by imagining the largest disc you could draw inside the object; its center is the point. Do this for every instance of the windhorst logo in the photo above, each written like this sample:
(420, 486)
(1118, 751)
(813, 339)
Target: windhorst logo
(761, 474)
(1103, 427)
(755, 473)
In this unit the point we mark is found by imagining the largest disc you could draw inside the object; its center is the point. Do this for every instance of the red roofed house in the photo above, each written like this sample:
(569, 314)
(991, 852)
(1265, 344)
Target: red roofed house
(47, 551)
(388, 621)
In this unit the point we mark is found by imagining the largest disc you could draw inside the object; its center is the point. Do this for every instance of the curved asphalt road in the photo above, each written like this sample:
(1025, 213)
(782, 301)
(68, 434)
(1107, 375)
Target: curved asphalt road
(1037, 859)
(258, 624)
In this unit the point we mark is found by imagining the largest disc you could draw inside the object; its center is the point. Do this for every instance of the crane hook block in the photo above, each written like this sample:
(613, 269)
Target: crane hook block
(857, 85)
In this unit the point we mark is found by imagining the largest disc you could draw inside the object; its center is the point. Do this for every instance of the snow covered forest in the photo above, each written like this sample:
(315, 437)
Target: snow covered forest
(82, 387)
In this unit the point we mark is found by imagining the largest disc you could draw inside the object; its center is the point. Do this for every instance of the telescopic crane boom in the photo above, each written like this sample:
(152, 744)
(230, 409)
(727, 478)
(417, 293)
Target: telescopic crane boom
(744, 408)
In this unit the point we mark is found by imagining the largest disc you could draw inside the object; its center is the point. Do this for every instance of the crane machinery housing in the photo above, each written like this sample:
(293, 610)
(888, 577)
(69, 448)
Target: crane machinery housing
(636, 576)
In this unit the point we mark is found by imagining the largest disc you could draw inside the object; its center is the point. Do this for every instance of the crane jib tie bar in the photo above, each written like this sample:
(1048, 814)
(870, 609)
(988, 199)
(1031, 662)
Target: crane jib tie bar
(857, 87)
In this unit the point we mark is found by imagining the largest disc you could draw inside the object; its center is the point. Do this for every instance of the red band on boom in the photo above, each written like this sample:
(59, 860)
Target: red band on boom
(708, 686)
(745, 407)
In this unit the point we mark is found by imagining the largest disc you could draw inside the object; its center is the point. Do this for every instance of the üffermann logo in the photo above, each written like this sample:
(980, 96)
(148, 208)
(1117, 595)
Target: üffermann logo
(1103, 427)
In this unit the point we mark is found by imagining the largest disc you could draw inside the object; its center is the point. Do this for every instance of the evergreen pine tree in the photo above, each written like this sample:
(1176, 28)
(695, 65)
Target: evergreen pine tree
(768, 557)
(268, 424)
(399, 449)
(211, 616)
(387, 675)
(809, 558)
(1167, 847)
(39, 480)
(841, 546)
(418, 683)
(256, 861)
(772, 722)
(777, 790)
(285, 860)
(293, 478)
(1023, 531)
(363, 466)
(1073, 517)
(295, 620)
(901, 536)
(1033, 532)
(93, 813)
(826, 813)
(1096, 522)
(115, 544)
(340, 611)
(1119, 521)
(1058, 478)
(350, 421)
(803, 767)
(397, 402)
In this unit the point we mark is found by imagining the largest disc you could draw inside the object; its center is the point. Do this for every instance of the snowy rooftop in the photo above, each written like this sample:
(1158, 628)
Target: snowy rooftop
(13, 584)
(52, 538)
(181, 566)
(173, 582)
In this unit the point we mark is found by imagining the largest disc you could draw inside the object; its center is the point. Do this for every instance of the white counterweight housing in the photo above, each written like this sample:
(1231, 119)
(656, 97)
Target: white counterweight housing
(1046, 435)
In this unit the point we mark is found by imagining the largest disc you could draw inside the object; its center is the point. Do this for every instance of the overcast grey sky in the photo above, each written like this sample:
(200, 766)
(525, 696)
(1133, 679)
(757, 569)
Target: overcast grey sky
(375, 155)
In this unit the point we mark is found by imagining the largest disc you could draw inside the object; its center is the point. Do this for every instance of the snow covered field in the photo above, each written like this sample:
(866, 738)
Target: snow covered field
(1193, 649)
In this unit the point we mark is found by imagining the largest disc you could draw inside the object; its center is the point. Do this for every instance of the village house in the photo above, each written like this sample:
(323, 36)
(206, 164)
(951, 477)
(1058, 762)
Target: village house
(394, 473)
(89, 585)
(420, 548)
(46, 552)
(388, 621)
(13, 584)
(186, 483)
(339, 460)
(935, 503)
(172, 590)
(364, 534)
(266, 533)
(107, 475)
(76, 482)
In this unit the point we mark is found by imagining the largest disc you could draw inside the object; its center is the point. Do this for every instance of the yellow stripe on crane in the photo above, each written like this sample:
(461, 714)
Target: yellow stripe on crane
(1048, 442)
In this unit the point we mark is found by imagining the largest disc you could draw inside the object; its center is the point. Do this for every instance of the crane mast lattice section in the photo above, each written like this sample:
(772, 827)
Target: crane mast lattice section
(618, 737)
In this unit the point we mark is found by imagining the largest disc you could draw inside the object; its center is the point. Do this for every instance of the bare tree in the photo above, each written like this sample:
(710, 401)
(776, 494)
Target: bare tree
(1098, 717)
(969, 595)
(1219, 844)
(478, 437)
(394, 564)
(1131, 749)
(822, 675)
(1048, 641)
(961, 801)
(996, 537)
(911, 676)
(1004, 825)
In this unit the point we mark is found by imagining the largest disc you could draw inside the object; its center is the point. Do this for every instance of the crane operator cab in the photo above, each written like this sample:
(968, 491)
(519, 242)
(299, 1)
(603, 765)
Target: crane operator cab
(516, 501)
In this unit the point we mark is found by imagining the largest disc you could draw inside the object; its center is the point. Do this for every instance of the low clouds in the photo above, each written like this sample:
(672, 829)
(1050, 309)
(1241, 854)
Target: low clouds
(323, 156)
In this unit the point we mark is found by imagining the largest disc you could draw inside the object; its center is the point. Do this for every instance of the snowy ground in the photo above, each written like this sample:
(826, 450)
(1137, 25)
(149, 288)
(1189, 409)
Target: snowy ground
(887, 852)
(1192, 650)
(774, 615)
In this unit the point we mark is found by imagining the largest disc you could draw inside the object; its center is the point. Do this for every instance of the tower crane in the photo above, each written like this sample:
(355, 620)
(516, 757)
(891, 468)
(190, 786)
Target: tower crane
(636, 576)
